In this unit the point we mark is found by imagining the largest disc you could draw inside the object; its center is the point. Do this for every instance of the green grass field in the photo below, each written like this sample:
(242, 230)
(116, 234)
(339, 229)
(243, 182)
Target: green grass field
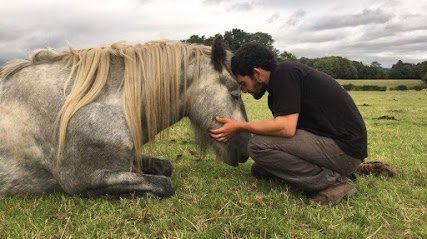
(214, 200)
(386, 82)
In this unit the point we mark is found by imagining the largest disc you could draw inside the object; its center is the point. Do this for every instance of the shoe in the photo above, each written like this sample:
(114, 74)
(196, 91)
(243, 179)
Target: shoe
(260, 173)
(334, 194)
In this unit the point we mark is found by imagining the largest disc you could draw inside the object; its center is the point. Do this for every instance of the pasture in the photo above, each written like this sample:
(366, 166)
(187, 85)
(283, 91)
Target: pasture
(214, 200)
(384, 82)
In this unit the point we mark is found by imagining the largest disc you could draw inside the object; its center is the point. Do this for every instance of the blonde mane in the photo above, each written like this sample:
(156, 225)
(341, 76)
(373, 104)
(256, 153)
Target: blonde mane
(150, 87)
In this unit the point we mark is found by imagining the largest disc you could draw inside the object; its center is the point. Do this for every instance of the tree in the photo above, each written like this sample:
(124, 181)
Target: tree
(402, 70)
(337, 67)
(236, 38)
(376, 64)
(421, 70)
(263, 38)
(362, 70)
(327, 65)
(196, 39)
(346, 69)
(375, 71)
(286, 56)
(307, 61)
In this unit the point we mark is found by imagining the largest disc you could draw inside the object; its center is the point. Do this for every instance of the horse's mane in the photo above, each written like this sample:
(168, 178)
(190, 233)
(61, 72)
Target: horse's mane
(150, 87)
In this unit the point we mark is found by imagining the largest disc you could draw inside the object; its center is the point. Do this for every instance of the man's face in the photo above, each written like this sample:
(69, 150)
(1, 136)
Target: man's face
(252, 85)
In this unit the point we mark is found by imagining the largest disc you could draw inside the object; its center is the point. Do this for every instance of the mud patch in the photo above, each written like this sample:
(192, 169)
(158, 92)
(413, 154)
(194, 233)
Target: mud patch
(385, 117)
(397, 111)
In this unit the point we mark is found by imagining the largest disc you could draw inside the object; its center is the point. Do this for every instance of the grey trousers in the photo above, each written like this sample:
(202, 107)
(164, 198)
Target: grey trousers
(306, 161)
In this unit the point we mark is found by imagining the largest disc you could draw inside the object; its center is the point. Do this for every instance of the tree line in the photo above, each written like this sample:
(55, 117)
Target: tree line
(336, 66)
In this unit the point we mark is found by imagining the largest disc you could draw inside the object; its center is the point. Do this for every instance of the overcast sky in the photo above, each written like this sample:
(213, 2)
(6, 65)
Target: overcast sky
(363, 30)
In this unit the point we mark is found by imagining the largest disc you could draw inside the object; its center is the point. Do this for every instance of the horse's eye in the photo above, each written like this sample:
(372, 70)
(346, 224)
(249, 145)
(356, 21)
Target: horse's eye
(235, 94)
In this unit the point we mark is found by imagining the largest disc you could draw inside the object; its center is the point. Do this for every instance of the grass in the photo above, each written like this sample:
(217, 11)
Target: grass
(389, 83)
(214, 200)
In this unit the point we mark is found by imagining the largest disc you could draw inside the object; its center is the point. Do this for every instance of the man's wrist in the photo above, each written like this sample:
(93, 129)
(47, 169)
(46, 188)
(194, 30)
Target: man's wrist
(243, 126)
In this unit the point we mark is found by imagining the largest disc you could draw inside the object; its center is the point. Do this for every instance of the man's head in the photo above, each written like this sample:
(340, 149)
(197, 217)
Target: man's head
(252, 65)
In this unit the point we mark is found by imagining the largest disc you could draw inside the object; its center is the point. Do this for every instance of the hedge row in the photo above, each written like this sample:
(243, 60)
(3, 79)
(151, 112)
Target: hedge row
(364, 87)
(352, 87)
(404, 87)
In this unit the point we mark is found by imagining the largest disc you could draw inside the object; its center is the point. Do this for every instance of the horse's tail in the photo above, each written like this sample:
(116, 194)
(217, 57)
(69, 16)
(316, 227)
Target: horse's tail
(12, 67)
(375, 167)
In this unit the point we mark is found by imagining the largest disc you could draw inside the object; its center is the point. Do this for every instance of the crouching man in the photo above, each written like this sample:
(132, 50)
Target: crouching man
(317, 137)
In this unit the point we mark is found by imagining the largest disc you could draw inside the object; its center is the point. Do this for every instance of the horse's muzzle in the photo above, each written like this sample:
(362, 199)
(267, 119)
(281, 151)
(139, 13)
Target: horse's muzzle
(244, 158)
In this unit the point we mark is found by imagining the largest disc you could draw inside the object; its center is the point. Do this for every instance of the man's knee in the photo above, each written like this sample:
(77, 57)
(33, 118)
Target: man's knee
(256, 146)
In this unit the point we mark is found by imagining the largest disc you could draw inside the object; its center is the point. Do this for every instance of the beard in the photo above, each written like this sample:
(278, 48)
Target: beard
(261, 88)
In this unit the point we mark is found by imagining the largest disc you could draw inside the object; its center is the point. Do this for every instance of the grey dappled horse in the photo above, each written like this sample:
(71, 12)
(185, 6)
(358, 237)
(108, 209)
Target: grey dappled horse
(75, 121)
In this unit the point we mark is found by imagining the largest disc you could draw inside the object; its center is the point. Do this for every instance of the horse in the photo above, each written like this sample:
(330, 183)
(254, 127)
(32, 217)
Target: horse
(75, 121)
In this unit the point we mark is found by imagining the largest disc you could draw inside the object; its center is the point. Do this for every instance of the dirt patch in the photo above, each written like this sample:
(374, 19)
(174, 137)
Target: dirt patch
(397, 111)
(385, 117)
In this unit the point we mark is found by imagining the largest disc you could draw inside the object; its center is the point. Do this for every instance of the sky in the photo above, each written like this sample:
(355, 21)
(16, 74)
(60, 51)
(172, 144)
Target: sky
(364, 30)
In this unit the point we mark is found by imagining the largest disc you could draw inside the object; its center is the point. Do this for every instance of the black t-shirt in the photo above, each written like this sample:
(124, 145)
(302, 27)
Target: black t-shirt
(324, 107)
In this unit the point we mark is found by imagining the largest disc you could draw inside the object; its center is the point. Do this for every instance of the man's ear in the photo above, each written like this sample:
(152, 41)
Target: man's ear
(256, 73)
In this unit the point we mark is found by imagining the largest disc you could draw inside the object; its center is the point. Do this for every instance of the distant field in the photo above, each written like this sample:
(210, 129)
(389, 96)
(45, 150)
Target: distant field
(383, 82)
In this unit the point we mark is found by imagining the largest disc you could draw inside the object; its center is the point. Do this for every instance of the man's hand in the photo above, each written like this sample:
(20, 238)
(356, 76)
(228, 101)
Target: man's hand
(227, 131)
(281, 126)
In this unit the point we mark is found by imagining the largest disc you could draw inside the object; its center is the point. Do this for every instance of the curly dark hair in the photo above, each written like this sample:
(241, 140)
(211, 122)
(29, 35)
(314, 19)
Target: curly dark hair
(251, 55)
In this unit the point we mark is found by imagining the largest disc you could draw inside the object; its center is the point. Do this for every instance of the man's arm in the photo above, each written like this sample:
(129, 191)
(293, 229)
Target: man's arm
(282, 126)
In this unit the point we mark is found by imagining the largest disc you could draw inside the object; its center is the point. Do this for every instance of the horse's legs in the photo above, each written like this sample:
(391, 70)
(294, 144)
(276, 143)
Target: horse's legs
(115, 184)
(156, 166)
(23, 176)
(95, 179)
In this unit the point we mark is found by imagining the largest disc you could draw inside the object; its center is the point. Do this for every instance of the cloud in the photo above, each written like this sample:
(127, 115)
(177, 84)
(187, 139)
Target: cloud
(295, 18)
(83, 27)
(289, 4)
(273, 18)
(213, 1)
(405, 24)
(244, 6)
(382, 30)
(386, 51)
(239, 5)
(366, 17)
(408, 42)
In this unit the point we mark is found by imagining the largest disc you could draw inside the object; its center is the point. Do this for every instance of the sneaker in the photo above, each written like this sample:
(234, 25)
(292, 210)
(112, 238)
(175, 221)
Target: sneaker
(334, 194)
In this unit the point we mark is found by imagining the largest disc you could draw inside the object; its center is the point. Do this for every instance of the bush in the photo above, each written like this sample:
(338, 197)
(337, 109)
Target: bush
(348, 87)
(364, 87)
(399, 87)
(373, 88)
(419, 87)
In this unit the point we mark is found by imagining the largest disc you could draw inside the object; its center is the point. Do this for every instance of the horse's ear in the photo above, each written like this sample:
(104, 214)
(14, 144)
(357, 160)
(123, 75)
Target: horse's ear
(218, 53)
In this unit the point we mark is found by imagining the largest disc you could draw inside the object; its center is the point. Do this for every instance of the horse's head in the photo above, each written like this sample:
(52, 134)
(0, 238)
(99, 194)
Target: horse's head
(216, 93)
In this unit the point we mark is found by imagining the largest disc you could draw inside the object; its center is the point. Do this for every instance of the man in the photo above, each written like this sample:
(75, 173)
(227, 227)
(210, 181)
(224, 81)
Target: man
(317, 137)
